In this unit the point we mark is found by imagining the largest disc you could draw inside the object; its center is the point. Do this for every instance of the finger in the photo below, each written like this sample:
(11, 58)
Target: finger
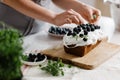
(74, 19)
(98, 15)
(90, 17)
(70, 12)
(79, 17)
(95, 19)
(68, 21)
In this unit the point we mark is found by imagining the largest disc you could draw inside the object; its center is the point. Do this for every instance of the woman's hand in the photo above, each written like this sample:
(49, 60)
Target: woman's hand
(67, 17)
(90, 13)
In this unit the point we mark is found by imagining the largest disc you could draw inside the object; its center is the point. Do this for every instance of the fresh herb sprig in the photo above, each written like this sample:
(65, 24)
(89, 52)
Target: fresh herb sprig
(55, 67)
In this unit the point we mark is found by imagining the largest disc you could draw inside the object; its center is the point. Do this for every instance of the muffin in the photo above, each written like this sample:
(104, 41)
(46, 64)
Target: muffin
(83, 39)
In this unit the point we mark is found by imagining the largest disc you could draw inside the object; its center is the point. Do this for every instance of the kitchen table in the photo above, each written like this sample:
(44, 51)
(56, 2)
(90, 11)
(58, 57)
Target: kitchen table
(109, 70)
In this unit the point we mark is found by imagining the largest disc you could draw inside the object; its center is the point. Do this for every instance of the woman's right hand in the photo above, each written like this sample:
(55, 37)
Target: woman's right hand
(67, 17)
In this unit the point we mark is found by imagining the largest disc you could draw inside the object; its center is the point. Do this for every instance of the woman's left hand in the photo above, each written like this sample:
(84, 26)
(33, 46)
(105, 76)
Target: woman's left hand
(90, 13)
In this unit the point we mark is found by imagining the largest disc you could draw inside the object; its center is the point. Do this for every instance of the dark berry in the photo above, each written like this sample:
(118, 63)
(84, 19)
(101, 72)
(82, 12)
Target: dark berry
(85, 32)
(66, 29)
(76, 30)
(30, 55)
(85, 39)
(42, 57)
(74, 34)
(81, 35)
(34, 56)
(78, 26)
(87, 24)
(88, 29)
(52, 29)
(38, 54)
(58, 29)
(69, 33)
(79, 29)
(63, 32)
(91, 26)
(97, 27)
(39, 59)
(83, 27)
(92, 29)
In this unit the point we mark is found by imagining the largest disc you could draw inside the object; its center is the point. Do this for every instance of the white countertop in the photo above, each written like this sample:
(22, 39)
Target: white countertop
(110, 70)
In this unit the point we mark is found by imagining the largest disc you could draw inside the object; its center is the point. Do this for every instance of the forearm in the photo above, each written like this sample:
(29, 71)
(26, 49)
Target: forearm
(29, 8)
(69, 4)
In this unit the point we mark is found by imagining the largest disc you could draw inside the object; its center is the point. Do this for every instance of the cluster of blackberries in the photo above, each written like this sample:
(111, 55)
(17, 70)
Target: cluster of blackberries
(89, 27)
(58, 30)
(36, 57)
(86, 28)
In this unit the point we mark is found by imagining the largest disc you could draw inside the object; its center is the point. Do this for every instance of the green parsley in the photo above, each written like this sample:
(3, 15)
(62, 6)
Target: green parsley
(55, 67)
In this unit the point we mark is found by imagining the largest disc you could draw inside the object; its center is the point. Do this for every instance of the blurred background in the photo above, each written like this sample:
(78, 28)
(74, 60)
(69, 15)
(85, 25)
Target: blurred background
(105, 8)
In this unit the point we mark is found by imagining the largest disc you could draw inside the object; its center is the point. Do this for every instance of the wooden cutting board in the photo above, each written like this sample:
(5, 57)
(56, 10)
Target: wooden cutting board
(94, 58)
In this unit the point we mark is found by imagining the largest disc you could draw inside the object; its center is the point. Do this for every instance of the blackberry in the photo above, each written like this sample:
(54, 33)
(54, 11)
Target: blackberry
(63, 32)
(30, 55)
(34, 56)
(98, 27)
(52, 29)
(83, 24)
(92, 29)
(87, 24)
(81, 35)
(85, 32)
(83, 27)
(76, 30)
(58, 29)
(85, 39)
(69, 30)
(69, 33)
(39, 59)
(95, 27)
(88, 29)
(79, 29)
(66, 29)
(42, 57)
(91, 24)
(74, 34)
(78, 26)
(38, 55)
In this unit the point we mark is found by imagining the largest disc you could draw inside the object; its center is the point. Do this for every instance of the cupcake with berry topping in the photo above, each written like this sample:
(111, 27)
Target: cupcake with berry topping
(83, 39)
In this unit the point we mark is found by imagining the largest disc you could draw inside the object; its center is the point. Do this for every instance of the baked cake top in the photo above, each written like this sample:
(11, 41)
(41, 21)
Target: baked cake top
(84, 34)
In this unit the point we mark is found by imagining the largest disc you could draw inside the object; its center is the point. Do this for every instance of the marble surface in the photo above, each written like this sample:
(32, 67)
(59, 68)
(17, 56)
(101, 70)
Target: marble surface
(42, 41)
